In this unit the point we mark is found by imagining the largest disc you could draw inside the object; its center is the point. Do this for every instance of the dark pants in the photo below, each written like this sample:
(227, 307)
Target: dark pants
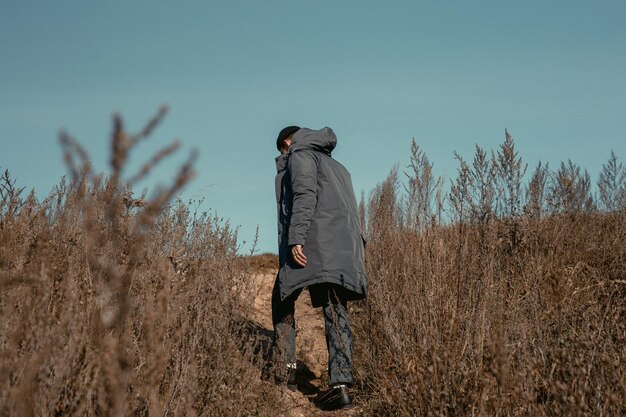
(338, 332)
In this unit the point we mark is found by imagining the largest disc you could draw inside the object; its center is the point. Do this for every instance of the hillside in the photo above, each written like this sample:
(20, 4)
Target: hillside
(498, 296)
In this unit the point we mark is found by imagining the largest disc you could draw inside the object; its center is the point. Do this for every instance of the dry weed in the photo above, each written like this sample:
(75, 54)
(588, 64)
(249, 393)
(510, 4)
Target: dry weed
(115, 305)
(515, 306)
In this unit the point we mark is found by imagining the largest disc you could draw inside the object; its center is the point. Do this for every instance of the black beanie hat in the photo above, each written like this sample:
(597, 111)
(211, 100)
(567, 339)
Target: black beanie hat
(284, 134)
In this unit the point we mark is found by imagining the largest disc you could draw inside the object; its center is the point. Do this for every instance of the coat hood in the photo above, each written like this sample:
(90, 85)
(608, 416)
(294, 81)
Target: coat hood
(323, 140)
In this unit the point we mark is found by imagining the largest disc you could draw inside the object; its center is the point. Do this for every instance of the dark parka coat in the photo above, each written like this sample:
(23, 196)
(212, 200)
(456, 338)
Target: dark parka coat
(317, 208)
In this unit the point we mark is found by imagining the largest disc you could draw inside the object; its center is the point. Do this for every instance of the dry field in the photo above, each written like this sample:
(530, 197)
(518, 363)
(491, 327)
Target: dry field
(489, 295)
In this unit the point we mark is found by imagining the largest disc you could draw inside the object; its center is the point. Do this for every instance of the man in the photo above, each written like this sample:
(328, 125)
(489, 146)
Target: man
(320, 247)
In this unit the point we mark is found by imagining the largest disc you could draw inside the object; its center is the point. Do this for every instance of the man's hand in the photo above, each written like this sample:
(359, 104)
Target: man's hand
(298, 255)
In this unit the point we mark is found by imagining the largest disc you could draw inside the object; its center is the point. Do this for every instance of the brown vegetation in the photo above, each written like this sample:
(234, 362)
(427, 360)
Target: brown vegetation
(119, 306)
(495, 297)
(516, 307)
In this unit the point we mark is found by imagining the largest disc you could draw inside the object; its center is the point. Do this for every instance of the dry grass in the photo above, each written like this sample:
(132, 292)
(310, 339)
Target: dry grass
(495, 297)
(516, 307)
(119, 306)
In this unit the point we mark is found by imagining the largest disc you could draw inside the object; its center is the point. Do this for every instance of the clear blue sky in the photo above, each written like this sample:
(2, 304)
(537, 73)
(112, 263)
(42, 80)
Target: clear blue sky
(450, 74)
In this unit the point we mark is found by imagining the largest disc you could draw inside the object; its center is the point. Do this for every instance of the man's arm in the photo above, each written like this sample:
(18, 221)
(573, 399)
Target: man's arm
(302, 170)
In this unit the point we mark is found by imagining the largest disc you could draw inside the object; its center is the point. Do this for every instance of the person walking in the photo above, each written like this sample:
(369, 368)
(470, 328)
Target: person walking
(321, 247)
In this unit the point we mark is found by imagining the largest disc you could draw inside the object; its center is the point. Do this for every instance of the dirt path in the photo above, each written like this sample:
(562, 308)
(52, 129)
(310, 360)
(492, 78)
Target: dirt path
(311, 349)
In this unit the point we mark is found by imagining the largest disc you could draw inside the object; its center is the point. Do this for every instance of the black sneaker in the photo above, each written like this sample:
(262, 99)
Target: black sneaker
(335, 398)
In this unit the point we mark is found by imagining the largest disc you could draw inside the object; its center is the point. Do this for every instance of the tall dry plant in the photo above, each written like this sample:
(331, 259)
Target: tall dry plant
(536, 199)
(510, 172)
(114, 305)
(570, 190)
(423, 204)
(612, 185)
(515, 306)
